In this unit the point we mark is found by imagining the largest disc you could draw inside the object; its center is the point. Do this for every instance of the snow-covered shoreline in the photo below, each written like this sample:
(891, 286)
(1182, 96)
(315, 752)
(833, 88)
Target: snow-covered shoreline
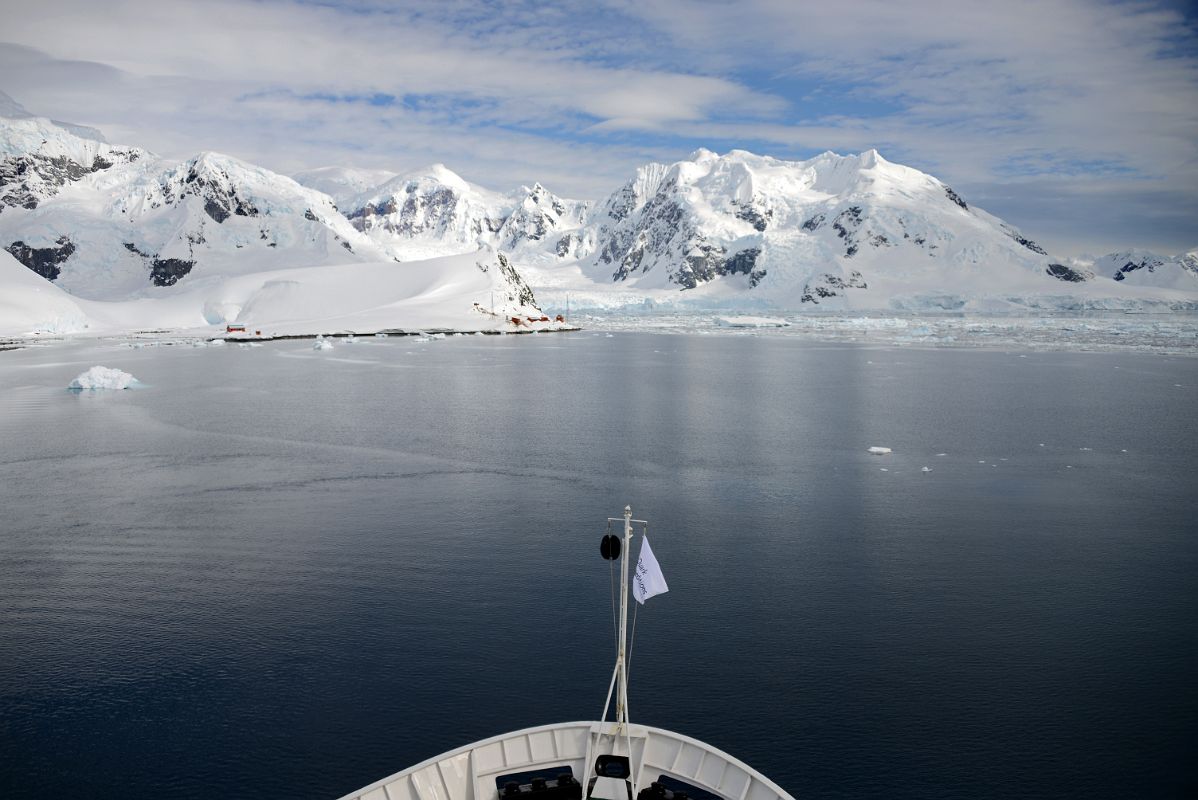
(1167, 334)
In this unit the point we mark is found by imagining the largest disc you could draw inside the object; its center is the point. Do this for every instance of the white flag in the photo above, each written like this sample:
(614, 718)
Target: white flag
(648, 580)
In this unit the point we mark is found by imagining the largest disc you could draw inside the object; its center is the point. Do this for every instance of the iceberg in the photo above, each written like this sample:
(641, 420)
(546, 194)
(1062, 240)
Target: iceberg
(102, 378)
(879, 451)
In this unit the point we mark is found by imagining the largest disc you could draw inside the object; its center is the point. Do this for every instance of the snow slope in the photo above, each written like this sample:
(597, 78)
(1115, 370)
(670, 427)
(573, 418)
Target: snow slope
(472, 292)
(30, 304)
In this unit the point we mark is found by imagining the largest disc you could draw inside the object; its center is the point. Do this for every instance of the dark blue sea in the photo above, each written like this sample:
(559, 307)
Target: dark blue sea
(277, 572)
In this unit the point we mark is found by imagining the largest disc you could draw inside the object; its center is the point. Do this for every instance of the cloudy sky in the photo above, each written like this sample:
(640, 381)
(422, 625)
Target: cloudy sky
(1077, 120)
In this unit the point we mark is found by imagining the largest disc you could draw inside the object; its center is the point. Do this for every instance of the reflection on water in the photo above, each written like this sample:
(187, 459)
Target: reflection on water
(287, 572)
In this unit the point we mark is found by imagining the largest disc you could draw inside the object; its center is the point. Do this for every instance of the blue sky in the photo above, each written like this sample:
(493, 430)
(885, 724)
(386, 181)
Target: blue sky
(1076, 120)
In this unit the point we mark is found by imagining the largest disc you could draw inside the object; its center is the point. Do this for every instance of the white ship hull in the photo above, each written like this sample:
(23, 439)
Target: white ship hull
(475, 772)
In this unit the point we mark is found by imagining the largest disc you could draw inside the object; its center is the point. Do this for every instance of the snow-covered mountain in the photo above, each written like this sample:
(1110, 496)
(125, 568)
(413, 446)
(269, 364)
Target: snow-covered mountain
(105, 222)
(831, 232)
(1144, 268)
(832, 229)
(435, 211)
(38, 157)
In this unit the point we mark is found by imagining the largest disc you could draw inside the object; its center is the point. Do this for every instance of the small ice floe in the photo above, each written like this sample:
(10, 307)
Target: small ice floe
(611, 336)
(942, 454)
(1085, 449)
(883, 469)
(216, 343)
(1041, 444)
(102, 378)
(1068, 466)
(925, 469)
(1122, 451)
(878, 451)
(322, 344)
(750, 322)
(380, 336)
(351, 339)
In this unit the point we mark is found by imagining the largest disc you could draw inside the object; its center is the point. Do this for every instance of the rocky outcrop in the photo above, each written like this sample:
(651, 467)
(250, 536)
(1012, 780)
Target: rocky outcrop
(45, 261)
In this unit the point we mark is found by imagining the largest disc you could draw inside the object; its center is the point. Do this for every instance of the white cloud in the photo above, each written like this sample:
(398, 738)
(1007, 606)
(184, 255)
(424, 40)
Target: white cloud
(991, 97)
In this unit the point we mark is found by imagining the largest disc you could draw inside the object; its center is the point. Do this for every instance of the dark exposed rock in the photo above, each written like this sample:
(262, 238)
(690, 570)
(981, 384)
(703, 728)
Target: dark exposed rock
(956, 198)
(850, 218)
(829, 285)
(742, 262)
(813, 223)
(217, 211)
(700, 265)
(1145, 262)
(44, 261)
(1028, 243)
(566, 245)
(522, 293)
(308, 215)
(28, 178)
(163, 271)
(758, 219)
(168, 271)
(1064, 273)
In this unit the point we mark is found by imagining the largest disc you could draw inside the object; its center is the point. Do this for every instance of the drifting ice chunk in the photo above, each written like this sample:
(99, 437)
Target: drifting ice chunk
(322, 344)
(751, 322)
(879, 451)
(102, 378)
(925, 469)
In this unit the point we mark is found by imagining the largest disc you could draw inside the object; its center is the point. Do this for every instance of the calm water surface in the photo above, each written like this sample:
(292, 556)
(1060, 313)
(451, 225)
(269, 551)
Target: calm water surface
(284, 573)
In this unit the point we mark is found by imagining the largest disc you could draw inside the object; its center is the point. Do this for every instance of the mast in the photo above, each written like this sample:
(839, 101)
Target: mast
(613, 549)
(621, 656)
